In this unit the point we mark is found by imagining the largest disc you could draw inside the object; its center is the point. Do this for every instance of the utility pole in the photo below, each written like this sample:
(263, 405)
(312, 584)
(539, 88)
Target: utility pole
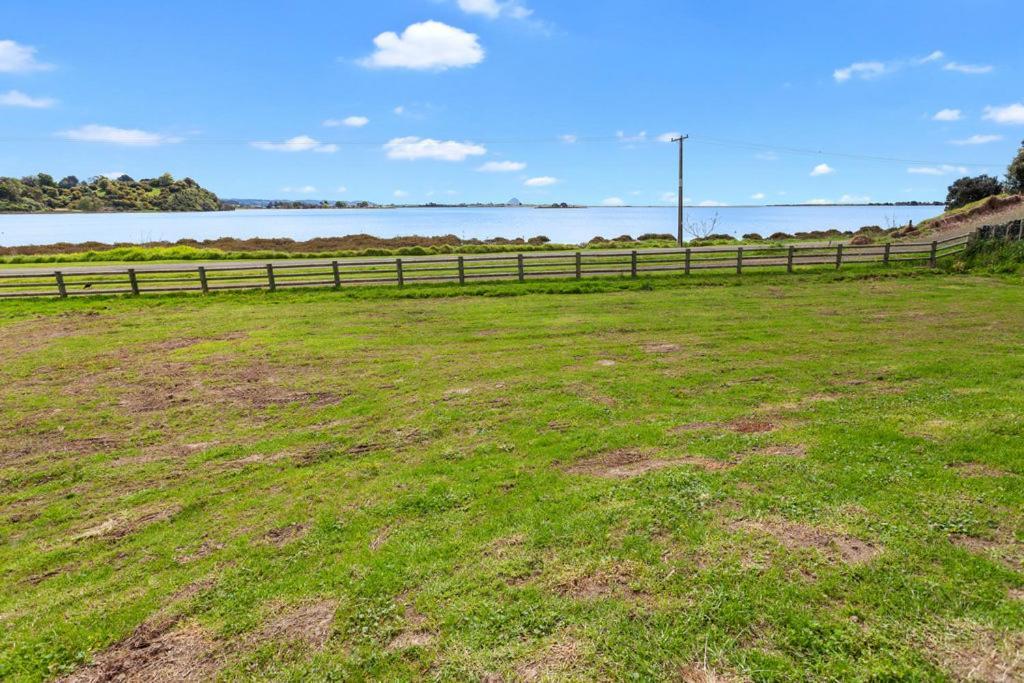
(681, 139)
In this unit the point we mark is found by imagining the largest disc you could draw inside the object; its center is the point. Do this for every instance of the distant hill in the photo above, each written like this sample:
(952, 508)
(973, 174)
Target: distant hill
(40, 193)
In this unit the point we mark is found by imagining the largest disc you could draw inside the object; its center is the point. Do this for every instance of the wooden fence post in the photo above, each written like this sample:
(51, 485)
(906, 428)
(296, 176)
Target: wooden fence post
(270, 277)
(686, 262)
(462, 271)
(739, 260)
(632, 264)
(519, 263)
(789, 259)
(932, 256)
(839, 255)
(888, 250)
(203, 284)
(133, 281)
(399, 272)
(61, 289)
(579, 265)
(337, 274)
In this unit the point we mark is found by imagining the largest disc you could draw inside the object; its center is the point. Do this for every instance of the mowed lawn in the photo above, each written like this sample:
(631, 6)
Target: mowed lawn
(806, 477)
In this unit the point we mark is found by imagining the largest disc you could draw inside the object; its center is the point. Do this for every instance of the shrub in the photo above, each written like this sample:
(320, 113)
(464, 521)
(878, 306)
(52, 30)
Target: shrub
(967, 190)
(655, 236)
(753, 236)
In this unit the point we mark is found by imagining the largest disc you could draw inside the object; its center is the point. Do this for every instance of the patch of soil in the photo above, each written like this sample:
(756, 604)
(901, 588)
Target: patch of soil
(751, 426)
(205, 549)
(558, 658)
(797, 451)
(1016, 594)
(284, 535)
(835, 546)
(14, 448)
(695, 426)
(701, 673)
(123, 525)
(414, 633)
(972, 652)
(605, 362)
(157, 651)
(614, 581)
(659, 347)
(624, 463)
(977, 469)
(310, 624)
(185, 342)
(1007, 551)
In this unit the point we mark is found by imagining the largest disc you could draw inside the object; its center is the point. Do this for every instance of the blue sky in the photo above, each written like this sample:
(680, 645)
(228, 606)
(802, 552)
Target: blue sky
(483, 100)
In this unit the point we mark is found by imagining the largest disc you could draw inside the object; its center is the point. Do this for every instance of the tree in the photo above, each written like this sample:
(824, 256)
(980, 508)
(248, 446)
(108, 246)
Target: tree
(1015, 173)
(45, 180)
(68, 182)
(10, 189)
(125, 178)
(967, 190)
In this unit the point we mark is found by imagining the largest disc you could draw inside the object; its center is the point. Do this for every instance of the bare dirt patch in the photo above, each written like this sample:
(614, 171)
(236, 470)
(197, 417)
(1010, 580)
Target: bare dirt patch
(1005, 550)
(282, 536)
(624, 463)
(310, 624)
(702, 673)
(751, 426)
(659, 347)
(414, 632)
(972, 652)
(205, 549)
(793, 451)
(836, 546)
(157, 651)
(977, 469)
(557, 659)
(617, 580)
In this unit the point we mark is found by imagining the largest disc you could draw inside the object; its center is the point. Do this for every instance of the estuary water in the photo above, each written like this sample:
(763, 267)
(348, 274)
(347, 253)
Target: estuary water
(560, 225)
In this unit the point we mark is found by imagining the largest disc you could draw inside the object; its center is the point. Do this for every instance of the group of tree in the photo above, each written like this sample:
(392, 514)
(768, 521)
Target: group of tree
(971, 189)
(42, 193)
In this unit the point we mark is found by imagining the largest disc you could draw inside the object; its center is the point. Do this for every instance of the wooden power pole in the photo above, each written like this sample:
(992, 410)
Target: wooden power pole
(679, 227)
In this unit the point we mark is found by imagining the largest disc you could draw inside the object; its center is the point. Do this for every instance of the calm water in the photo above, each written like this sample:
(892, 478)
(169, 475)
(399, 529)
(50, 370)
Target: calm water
(570, 225)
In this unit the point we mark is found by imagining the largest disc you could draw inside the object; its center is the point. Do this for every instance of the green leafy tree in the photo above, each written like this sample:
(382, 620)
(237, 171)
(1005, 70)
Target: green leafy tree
(967, 190)
(1015, 173)
(68, 182)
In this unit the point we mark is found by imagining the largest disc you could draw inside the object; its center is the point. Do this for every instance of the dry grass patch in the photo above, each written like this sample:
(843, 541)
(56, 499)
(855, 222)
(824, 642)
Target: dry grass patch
(835, 546)
(1004, 549)
(284, 535)
(747, 425)
(617, 580)
(977, 469)
(557, 661)
(972, 652)
(702, 673)
(659, 347)
(123, 525)
(414, 632)
(310, 624)
(789, 451)
(624, 463)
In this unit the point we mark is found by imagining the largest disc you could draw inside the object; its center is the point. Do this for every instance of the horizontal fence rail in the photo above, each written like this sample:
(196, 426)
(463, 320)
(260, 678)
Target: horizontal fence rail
(205, 278)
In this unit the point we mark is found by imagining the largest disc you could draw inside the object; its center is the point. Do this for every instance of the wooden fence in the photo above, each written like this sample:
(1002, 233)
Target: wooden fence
(107, 280)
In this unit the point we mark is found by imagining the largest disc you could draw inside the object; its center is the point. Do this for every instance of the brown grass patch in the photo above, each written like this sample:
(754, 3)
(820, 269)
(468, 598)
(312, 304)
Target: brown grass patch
(205, 549)
(695, 426)
(791, 451)
(559, 658)
(122, 525)
(624, 463)
(751, 426)
(310, 624)
(615, 580)
(414, 632)
(702, 673)
(1005, 550)
(972, 652)
(659, 347)
(157, 651)
(284, 535)
(977, 469)
(835, 546)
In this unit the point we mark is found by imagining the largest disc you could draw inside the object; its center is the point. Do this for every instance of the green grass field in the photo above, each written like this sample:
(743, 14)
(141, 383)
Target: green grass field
(771, 478)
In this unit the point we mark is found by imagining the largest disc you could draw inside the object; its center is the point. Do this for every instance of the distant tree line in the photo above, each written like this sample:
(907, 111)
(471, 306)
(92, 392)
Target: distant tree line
(42, 193)
(972, 189)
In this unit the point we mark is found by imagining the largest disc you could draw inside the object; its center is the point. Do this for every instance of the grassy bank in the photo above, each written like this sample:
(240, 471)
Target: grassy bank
(773, 478)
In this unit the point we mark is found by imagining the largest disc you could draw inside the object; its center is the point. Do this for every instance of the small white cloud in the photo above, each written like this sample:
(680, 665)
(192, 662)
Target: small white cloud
(757, 196)
(399, 194)
(541, 181)
(819, 202)
(299, 143)
(613, 201)
(863, 70)
(944, 169)
(624, 137)
(933, 57)
(113, 175)
(669, 137)
(822, 169)
(973, 69)
(854, 199)
(304, 189)
(977, 140)
(670, 197)
(492, 9)
(568, 138)
(127, 137)
(399, 110)
(502, 167)
(19, 59)
(15, 98)
(766, 156)
(711, 202)
(341, 190)
(948, 115)
(413, 148)
(1010, 114)
(350, 121)
(429, 45)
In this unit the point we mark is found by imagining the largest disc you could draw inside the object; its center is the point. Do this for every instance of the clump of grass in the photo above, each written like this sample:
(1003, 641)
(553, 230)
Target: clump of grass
(991, 256)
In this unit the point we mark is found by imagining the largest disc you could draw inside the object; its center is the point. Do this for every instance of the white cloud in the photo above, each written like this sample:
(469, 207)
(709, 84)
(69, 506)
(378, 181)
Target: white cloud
(757, 196)
(541, 181)
(669, 137)
(948, 115)
(624, 137)
(972, 69)
(413, 148)
(822, 169)
(15, 98)
(113, 175)
(350, 121)
(613, 201)
(399, 194)
(568, 138)
(429, 45)
(862, 70)
(341, 190)
(399, 110)
(767, 156)
(819, 202)
(492, 9)
(1010, 114)
(502, 166)
(944, 169)
(128, 137)
(711, 202)
(19, 59)
(670, 197)
(304, 189)
(854, 199)
(299, 143)
(933, 57)
(977, 140)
